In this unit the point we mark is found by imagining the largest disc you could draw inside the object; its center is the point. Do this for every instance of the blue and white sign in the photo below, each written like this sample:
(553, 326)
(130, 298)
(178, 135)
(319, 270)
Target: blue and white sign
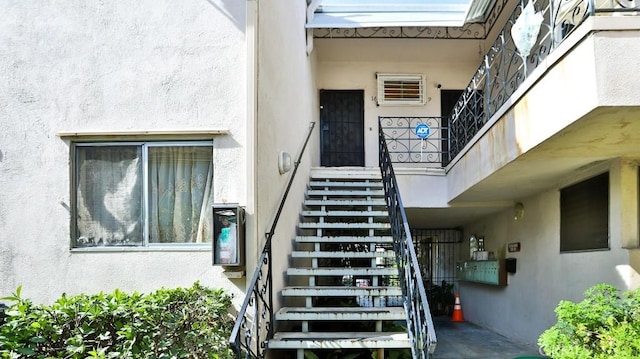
(423, 131)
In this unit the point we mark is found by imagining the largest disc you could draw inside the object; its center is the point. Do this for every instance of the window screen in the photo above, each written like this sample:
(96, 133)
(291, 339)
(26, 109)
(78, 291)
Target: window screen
(584, 215)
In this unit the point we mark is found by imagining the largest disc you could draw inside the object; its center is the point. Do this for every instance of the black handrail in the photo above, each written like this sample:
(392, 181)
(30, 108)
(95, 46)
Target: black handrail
(422, 333)
(258, 325)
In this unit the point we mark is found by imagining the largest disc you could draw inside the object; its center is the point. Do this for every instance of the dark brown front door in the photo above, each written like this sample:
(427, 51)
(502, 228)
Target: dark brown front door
(342, 128)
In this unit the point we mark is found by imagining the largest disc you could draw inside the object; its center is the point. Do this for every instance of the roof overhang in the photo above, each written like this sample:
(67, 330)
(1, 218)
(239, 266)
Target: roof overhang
(349, 14)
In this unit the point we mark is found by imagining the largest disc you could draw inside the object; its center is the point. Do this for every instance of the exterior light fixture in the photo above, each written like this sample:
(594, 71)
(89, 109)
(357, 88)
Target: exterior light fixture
(284, 162)
(518, 211)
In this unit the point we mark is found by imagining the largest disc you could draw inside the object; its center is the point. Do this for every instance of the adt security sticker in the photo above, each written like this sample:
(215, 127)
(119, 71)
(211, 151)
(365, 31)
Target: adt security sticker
(423, 131)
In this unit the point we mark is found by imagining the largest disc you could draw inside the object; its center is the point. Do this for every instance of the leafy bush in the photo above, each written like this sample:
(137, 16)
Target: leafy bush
(603, 325)
(441, 298)
(168, 323)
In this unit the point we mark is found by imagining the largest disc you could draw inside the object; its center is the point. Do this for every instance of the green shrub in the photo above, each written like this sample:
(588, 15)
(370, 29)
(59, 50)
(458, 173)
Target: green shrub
(603, 325)
(168, 323)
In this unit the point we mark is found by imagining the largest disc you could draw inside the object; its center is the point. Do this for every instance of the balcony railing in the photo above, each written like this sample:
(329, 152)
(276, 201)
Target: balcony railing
(406, 148)
(504, 69)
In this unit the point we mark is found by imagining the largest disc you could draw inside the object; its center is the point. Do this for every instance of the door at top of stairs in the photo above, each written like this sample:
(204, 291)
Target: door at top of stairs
(342, 128)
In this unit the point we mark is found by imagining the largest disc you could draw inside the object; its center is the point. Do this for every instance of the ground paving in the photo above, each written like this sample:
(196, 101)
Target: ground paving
(464, 340)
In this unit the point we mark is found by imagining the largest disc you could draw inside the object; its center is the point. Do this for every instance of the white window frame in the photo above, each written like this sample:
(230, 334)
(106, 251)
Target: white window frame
(385, 80)
(144, 145)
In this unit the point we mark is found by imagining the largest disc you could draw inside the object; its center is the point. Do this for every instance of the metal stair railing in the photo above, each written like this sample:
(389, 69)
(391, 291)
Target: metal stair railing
(255, 318)
(419, 322)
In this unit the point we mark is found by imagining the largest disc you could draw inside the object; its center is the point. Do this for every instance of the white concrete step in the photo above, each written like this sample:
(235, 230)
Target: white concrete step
(335, 198)
(350, 193)
(346, 184)
(341, 313)
(333, 340)
(345, 203)
(327, 254)
(340, 271)
(384, 214)
(345, 225)
(341, 291)
(345, 239)
(346, 173)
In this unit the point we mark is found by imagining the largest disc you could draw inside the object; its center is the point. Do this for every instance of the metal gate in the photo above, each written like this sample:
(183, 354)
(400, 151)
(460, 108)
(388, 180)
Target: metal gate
(437, 251)
(342, 128)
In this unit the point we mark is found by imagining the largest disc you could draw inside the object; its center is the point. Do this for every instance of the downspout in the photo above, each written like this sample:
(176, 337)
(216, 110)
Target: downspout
(254, 245)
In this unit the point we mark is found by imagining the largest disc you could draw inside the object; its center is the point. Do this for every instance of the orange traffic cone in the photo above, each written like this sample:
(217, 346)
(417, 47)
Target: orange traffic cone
(457, 311)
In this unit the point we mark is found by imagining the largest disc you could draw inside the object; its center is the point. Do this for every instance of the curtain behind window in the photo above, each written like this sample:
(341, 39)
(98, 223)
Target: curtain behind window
(180, 194)
(108, 198)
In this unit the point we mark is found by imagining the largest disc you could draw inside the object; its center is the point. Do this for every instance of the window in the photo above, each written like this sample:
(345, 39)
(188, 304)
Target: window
(400, 89)
(584, 215)
(142, 193)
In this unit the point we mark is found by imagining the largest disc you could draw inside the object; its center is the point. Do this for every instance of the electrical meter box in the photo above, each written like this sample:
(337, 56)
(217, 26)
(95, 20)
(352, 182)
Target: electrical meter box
(228, 235)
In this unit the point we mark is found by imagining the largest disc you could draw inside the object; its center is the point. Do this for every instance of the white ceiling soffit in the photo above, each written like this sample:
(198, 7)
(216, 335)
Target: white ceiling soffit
(388, 13)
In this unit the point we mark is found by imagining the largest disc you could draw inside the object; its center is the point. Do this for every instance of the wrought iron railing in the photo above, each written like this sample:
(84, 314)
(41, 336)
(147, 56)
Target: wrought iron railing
(422, 334)
(406, 147)
(254, 326)
(504, 69)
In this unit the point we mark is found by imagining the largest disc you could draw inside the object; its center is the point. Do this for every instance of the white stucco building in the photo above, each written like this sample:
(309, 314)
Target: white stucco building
(98, 99)
(90, 74)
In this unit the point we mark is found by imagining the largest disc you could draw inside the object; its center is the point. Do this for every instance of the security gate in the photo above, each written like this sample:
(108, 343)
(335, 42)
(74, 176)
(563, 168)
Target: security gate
(437, 252)
(342, 128)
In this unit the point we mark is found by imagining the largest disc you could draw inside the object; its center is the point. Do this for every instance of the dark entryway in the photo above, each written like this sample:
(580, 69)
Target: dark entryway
(342, 128)
(448, 100)
(437, 251)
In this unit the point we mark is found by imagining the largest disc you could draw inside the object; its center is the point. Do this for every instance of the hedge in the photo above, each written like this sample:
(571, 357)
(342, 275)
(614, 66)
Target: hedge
(168, 323)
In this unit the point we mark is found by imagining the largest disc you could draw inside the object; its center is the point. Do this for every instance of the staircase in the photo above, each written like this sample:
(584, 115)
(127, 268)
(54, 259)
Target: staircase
(343, 292)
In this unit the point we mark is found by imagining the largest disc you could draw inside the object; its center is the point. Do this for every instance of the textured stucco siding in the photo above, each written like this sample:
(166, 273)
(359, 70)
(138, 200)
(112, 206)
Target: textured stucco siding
(287, 104)
(544, 276)
(109, 66)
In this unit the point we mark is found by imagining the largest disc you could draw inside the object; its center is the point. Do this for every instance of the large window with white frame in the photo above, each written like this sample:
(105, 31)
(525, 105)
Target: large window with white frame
(142, 193)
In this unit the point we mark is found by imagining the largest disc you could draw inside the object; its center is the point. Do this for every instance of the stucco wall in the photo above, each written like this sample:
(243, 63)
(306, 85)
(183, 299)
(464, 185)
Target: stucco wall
(417, 188)
(592, 74)
(105, 66)
(286, 103)
(356, 75)
(525, 307)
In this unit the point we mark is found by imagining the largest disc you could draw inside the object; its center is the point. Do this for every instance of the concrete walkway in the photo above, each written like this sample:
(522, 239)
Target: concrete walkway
(469, 341)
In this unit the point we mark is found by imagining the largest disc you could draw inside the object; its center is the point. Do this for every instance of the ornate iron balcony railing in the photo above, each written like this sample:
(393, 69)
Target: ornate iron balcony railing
(407, 148)
(254, 326)
(419, 322)
(504, 69)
